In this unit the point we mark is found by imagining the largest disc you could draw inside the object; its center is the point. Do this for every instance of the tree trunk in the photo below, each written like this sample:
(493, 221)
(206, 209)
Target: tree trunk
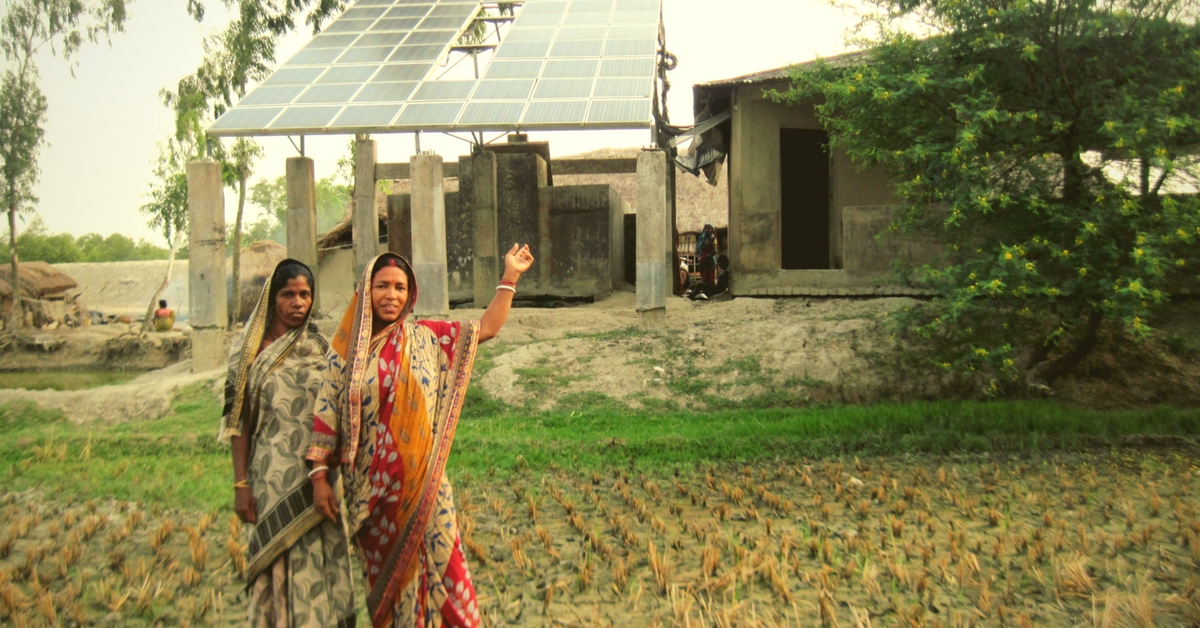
(235, 312)
(148, 323)
(17, 316)
(1048, 371)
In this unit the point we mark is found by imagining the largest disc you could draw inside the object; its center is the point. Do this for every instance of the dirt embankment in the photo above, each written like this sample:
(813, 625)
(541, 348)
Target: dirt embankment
(704, 355)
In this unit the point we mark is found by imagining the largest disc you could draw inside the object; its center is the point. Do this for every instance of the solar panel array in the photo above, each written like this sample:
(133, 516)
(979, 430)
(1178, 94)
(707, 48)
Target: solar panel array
(563, 64)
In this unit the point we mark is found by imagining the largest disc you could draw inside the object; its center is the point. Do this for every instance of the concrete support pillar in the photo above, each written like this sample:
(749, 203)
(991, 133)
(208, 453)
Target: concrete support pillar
(206, 265)
(429, 240)
(653, 237)
(484, 206)
(366, 218)
(302, 215)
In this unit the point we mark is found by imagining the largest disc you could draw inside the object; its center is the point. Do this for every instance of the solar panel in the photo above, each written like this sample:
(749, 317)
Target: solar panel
(561, 64)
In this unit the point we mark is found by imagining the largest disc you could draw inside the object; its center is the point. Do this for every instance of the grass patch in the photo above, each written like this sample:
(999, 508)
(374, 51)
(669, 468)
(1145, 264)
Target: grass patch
(177, 462)
(64, 379)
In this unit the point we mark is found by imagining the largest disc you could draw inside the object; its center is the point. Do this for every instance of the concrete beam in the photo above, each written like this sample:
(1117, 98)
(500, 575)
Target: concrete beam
(429, 248)
(615, 165)
(365, 224)
(208, 303)
(386, 172)
(484, 209)
(594, 166)
(654, 247)
(302, 214)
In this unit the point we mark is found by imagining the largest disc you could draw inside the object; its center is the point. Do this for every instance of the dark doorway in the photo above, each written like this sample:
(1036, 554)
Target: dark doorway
(804, 198)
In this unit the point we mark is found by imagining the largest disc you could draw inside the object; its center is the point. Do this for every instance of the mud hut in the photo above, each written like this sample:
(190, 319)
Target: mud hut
(46, 295)
(258, 262)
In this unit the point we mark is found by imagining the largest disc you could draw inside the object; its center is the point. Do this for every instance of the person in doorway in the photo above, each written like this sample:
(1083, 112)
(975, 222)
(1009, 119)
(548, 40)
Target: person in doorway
(386, 416)
(164, 317)
(298, 563)
(706, 249)
(703, 291)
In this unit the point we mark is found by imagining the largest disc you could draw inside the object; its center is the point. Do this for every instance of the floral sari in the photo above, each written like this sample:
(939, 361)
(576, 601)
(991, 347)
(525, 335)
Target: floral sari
(387, 414)
(298, 564)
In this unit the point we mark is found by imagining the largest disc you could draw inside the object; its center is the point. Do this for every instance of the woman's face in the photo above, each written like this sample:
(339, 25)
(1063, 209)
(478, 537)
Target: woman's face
(293, 302)
(389, 293)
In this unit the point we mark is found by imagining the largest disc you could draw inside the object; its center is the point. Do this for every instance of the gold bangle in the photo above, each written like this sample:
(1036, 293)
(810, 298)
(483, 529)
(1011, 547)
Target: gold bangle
(241, 484)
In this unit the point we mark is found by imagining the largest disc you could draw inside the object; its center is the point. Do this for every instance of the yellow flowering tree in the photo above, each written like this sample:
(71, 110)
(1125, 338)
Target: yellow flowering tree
(1052, 147)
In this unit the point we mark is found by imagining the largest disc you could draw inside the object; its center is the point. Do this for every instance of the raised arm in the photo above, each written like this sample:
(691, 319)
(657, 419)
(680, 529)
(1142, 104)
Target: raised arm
(516, 262)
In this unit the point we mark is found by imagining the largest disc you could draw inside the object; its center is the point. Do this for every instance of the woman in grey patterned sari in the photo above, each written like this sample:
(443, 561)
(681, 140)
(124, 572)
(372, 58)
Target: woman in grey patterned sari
(298, 563)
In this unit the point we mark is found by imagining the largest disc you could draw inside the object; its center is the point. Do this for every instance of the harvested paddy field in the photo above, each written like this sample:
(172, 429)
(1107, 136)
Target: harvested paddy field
(602, 518)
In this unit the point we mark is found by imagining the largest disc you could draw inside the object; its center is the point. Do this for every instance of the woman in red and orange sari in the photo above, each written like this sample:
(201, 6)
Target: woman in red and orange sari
(386, 414)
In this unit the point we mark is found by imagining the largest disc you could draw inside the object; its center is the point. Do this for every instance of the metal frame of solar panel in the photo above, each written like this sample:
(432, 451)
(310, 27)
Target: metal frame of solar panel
(562, 65)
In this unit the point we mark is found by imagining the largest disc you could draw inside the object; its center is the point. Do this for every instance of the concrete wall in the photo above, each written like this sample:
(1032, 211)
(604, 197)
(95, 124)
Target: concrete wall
(755, 248)
(336, 281)
(587, 228)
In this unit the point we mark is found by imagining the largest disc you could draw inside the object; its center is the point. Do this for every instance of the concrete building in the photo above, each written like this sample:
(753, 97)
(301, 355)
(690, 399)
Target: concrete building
(803, 218)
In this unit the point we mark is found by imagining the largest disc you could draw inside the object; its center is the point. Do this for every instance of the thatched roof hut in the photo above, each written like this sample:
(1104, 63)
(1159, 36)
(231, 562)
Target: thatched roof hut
(38, 280)
(696, 202)
(258, 262)
(341, 236)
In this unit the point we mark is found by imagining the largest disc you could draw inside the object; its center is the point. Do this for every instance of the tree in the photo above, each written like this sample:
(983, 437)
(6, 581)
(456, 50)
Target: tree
(1048, 143)
(168, 209)
(28, 26)
(332, 200)
(243, 154)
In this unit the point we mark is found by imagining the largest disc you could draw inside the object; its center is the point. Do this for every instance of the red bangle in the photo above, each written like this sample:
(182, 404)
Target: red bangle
(505, 282)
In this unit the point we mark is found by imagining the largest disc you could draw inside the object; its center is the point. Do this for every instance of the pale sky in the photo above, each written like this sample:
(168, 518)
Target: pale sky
(104, 125)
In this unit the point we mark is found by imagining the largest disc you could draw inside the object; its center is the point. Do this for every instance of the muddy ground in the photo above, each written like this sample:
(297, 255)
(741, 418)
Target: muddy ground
(779, 351)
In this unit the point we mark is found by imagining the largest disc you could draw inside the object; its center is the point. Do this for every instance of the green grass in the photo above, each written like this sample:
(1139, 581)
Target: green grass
(63, 379)
(177, 462)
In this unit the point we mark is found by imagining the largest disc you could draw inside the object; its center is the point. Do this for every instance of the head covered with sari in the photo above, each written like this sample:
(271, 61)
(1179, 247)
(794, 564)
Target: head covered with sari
(246, 347)
(387, 413)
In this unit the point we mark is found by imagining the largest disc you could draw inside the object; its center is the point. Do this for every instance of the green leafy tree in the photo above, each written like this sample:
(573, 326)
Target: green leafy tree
(28, 26)
(167, 210)
(243, 154)
(1050, 145)
(333, 197)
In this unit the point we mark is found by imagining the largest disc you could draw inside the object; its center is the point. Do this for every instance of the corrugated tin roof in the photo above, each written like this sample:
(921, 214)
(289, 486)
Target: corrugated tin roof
(779, 74)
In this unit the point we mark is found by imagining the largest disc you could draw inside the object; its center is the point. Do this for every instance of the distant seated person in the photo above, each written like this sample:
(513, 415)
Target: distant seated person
(704, 290)
(164, 317)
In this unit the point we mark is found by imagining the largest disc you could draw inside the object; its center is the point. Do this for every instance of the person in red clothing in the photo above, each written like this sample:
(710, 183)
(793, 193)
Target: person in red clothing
(386, 417)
